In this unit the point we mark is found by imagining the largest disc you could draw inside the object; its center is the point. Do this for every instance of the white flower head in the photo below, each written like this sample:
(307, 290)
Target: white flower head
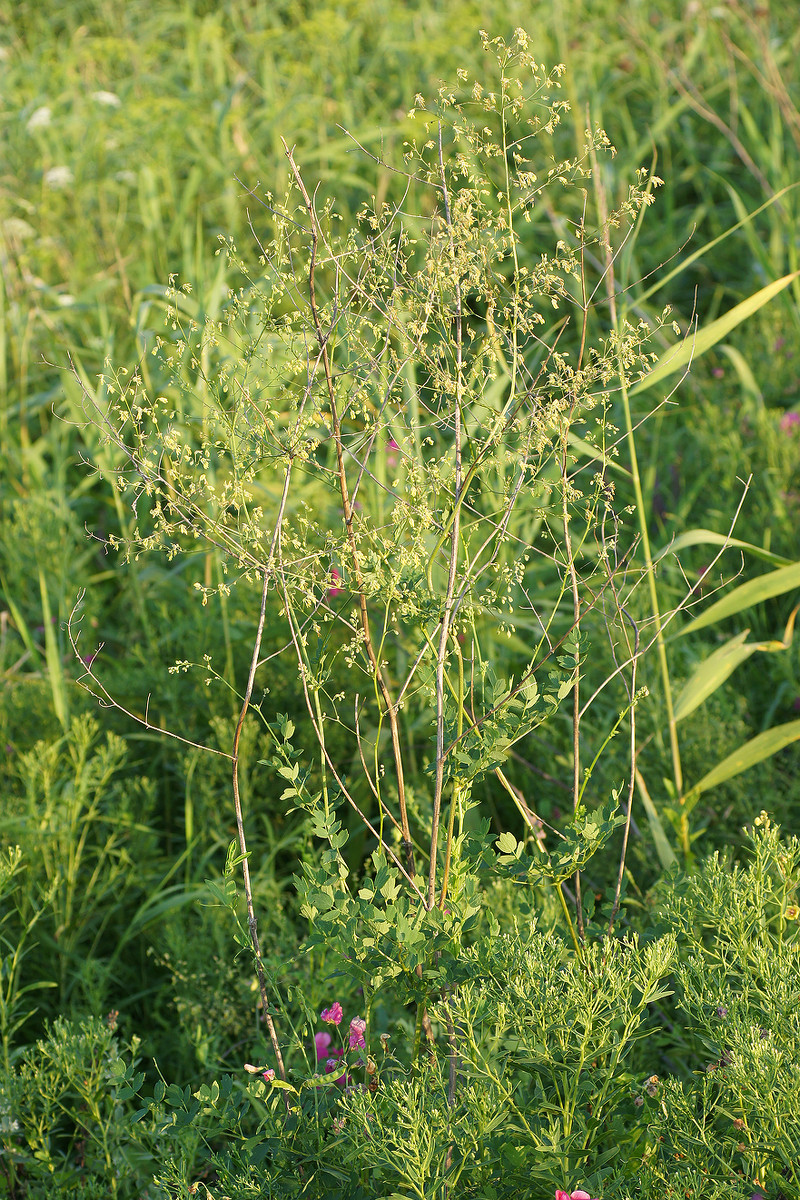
(15, 227)
(40, 118)
(58, 177)
(109, 99)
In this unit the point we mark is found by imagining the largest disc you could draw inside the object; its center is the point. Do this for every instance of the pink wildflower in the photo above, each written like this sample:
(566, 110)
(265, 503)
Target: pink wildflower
(578, 1195)
(332, 1015)
(322, 1043)
(335, 590)
(357, 1028)
(391, 457)
(269, 1074)
(790, 422)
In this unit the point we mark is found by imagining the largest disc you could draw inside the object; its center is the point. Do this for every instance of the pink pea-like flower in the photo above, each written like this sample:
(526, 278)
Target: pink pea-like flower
(391, 457)
(335, 590)
(322, 1042)
(357, 1028)
(332, 1015)
(578, 1195)
(790, 422)
(269, 1074)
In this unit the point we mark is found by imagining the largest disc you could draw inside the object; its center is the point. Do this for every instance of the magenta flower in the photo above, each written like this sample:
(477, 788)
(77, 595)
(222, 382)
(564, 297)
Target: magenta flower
(332, 1015)
(790, 422)
(322, 1042)
(269, 1074)
(357, 1028)
(578, 1195)
(335, 590)
(391, 457)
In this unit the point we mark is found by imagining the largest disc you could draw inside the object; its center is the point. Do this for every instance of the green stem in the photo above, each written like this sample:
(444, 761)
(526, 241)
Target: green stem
(641, 515)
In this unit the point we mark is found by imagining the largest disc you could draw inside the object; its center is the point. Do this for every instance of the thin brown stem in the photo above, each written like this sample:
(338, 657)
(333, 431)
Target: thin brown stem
(237, 804)
(347, 512)
(447, 612)
(631, 690)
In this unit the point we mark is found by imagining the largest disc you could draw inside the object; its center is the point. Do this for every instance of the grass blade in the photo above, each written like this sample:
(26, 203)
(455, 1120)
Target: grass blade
(707, 537)
(666, 855)
(746, 756)
(55, 671)
(712, 673)
(755, 591)
(679, 358)
(715, 669)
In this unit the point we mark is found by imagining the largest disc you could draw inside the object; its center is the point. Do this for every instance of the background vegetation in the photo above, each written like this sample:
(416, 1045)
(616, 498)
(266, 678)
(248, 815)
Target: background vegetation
(135, 137)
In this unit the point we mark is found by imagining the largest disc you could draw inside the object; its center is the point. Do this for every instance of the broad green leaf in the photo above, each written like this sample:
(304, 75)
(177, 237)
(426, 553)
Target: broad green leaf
(678, 358)
(507, 843)
(707, 537)
(666, 855)
(748, 755)
(715, 669)
(747, 594)
(712, 672)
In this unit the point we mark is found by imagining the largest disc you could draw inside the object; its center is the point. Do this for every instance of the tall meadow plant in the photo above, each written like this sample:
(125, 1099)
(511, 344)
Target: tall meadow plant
(412, 400)
(398, 435)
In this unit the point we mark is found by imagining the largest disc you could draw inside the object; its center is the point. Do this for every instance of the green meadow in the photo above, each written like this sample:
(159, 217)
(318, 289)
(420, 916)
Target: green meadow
(399, 567)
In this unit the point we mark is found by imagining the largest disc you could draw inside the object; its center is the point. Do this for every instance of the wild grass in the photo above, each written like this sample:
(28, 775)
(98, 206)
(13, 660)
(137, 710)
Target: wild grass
(135, 138)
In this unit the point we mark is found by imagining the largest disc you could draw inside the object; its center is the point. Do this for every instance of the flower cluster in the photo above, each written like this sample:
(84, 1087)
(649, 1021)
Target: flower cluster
(322, 1040)
(576, 1195)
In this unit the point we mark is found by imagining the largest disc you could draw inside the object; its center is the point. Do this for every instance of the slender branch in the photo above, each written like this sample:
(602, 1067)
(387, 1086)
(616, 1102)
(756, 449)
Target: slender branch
(631, 690)
(347, 512)
(106, 700)
(640, 509)
(237, 804)
(673, 613)
(447, 611)
(321, 740)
